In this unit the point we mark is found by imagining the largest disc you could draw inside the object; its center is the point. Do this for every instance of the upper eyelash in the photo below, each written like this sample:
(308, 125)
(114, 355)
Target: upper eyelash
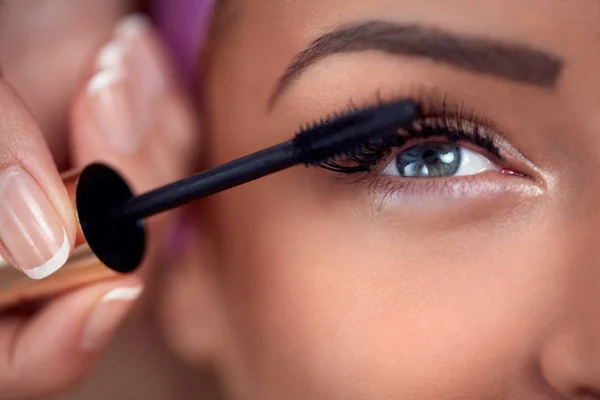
(458, 124)
(458, 129)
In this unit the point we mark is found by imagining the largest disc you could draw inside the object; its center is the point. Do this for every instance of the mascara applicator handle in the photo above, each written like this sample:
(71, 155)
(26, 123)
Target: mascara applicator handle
(206, 183)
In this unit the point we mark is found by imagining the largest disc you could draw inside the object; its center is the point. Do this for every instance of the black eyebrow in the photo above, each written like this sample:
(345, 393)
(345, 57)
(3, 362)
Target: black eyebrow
(515, 62)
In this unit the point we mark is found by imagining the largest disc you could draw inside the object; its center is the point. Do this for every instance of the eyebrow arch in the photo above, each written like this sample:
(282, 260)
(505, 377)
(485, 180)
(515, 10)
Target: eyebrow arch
(515, 62)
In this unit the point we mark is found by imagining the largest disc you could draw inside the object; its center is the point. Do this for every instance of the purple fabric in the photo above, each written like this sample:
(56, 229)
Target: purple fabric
(183, 24)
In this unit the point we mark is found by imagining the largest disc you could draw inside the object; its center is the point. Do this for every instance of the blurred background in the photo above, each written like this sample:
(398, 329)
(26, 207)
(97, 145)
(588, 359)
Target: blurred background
(47, 49)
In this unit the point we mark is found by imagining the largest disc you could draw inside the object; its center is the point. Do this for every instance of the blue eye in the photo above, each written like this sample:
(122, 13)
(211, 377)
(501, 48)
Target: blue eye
(438, 160)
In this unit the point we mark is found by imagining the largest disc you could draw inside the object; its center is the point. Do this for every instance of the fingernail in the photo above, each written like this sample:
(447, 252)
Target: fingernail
(147, 60)
(30, 228)
(128, 79)
(111, 56)
(132, 25)
(116, 110)
(107, 316)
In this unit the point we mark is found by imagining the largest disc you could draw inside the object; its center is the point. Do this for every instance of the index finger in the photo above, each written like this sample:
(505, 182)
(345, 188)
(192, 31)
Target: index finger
(37, 221)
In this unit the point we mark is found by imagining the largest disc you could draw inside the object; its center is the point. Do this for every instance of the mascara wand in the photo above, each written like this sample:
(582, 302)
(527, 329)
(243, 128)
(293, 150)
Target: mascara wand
(327, 140)
(112, 218)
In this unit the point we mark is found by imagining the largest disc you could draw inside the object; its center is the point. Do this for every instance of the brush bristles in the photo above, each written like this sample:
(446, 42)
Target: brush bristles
(346, 133)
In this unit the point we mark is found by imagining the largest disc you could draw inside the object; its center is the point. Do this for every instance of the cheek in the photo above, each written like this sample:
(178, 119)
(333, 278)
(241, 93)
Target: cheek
(329, 303)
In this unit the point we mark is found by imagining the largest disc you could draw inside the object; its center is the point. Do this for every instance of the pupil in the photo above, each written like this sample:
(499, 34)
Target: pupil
(429, 160)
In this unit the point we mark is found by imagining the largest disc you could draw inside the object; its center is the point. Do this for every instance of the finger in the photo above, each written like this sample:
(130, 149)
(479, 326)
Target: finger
(37, 222)
(133, 112)
(133, 115)
(50, 352)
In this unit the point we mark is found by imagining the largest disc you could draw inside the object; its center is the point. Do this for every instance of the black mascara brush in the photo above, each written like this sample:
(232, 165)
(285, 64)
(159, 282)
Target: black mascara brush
(111, 218)
(314, 145)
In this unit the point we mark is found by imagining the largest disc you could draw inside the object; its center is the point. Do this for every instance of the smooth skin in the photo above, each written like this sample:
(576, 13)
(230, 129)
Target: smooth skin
(303, 285)
(321, 289)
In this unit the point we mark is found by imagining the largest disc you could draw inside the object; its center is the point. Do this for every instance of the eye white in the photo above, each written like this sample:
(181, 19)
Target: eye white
(471, 163)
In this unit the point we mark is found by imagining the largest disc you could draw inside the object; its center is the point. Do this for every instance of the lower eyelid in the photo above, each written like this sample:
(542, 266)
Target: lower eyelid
(486, 184)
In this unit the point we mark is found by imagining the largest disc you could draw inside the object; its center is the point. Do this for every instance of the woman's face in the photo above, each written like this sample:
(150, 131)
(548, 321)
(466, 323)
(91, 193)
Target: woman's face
(395, 283)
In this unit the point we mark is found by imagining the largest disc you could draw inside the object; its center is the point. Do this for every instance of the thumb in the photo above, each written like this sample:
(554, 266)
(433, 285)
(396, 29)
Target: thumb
(49, 352)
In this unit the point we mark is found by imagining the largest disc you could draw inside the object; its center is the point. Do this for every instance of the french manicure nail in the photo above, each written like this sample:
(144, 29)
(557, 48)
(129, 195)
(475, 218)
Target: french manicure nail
(132, 25)
(30, 228)
(129, 76)
(135, 30)
(108, 314)
(111, 56)
(115, 111)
